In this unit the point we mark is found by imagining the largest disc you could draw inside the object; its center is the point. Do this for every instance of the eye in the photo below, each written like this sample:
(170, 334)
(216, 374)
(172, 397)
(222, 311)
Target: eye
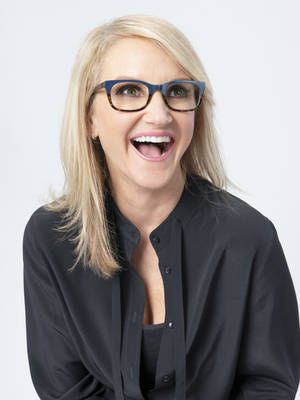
(129, 90)
(178, 90)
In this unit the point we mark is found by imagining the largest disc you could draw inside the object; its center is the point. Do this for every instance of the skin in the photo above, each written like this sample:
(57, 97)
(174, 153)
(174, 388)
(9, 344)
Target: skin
(144, 191)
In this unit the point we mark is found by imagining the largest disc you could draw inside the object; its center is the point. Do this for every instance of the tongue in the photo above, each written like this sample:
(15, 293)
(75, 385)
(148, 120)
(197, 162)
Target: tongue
(150, 149)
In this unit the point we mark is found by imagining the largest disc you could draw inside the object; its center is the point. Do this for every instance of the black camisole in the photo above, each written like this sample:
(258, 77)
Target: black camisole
(151, 337)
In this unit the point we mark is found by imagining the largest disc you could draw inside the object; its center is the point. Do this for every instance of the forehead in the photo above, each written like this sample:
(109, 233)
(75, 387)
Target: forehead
(140, 58)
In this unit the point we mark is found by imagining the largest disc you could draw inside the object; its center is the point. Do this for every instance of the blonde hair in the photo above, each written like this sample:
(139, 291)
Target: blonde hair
(83, 200)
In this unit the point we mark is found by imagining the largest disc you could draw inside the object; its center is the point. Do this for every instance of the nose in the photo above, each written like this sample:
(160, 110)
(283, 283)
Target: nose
(157, 110)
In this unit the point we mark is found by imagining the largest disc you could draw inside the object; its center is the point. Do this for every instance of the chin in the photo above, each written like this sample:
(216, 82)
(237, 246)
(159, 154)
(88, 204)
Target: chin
(152, 180)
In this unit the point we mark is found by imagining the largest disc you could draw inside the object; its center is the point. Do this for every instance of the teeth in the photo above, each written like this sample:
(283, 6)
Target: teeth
(153, 139)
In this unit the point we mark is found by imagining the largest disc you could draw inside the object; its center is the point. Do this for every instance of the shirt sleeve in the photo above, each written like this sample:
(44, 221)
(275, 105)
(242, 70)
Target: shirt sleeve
(269, 362)
(56, 369)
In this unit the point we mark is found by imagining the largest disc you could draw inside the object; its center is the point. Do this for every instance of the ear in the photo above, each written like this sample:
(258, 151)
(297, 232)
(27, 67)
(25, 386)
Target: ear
(92, 128)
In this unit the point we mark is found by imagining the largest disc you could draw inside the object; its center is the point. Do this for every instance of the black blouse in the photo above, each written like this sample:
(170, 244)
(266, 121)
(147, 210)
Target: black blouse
(231, 324)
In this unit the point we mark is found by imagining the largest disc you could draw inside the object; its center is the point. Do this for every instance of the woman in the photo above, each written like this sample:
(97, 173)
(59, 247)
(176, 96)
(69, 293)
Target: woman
(146, 278)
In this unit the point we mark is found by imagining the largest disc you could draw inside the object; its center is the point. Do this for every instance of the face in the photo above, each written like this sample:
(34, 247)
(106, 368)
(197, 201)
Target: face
(139, 58)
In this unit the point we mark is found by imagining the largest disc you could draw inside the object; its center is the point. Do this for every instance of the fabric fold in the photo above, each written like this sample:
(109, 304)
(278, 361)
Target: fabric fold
(180, 348)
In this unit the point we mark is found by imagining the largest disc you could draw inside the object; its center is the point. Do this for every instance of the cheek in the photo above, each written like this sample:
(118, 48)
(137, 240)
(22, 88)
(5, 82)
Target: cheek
(114, 129)
(187, 128)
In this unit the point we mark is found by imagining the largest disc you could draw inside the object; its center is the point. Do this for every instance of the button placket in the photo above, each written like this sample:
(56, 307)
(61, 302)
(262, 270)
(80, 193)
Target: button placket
(132, 338)
(166, 271)
(134, 317)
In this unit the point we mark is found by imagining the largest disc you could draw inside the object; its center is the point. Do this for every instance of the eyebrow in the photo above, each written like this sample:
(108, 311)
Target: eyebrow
(131, 77)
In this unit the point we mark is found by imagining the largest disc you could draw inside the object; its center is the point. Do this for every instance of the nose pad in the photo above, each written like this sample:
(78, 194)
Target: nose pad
(156, 94)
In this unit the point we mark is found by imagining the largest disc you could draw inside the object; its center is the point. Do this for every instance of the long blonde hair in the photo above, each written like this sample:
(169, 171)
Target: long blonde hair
(82, 202)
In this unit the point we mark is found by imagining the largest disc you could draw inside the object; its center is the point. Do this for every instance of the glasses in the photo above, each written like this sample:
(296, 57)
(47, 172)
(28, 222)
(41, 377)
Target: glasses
(135, 95)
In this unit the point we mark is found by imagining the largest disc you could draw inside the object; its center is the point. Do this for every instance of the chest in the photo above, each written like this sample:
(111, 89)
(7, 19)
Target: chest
(145, 261)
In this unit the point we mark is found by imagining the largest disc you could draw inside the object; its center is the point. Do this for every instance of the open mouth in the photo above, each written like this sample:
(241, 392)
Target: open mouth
(152, 149)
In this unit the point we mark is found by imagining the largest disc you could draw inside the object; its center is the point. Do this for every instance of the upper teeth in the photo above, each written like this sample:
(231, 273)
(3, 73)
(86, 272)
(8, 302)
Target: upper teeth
(155, 139)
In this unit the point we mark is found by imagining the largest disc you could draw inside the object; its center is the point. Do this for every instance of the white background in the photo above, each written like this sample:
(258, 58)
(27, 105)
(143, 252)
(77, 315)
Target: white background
(251, 53)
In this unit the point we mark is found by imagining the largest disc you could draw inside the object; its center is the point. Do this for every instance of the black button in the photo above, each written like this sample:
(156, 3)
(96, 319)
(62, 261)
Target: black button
(156, 239)
(171, 324)
(168, 270)
(166, 378)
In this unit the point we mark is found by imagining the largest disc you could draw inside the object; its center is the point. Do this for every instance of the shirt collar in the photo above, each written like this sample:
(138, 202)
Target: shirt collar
(191, 195)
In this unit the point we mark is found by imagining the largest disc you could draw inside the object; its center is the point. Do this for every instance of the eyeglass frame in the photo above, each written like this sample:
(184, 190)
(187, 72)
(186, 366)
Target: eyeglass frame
(108, 84)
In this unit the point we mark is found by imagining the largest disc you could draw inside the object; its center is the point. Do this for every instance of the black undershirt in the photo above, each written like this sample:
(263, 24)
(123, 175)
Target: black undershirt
(151, 338)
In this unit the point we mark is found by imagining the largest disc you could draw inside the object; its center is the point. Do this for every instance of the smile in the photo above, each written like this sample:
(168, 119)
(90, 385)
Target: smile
(151, 151)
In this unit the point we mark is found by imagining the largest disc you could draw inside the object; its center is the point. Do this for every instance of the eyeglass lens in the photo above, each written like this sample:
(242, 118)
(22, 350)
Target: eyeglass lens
(134, 95)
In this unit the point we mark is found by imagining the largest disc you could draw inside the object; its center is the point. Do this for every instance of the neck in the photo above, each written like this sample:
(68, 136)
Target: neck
(147, 209)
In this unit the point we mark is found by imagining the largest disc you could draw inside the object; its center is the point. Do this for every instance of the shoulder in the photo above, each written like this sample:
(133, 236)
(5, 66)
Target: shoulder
(235, 219)
(42, 227)
(243, 223)
(41, 220)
